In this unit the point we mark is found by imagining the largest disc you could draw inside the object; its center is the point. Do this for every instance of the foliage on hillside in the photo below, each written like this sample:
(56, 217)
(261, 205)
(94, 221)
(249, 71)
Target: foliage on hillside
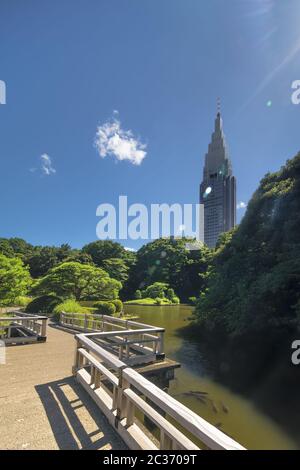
(163, 260)
(254, 278)
(14, 280)
(168, 261)
(105, 254)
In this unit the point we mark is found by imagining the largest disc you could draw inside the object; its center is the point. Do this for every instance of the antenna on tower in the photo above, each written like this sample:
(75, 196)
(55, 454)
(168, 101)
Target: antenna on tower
(218, 105)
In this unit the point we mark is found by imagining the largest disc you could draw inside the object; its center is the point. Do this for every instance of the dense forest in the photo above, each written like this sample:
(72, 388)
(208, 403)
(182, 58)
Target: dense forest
(103, 269)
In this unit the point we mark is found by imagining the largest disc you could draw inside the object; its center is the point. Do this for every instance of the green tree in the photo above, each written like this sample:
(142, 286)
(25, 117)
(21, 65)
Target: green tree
(116, 268)
(5, 248)
(14, 279)
(79, 257)
(101, 250)
(80, 281)
(42, 260)
(16, 248)
(138, 294)
(169, 261)
(20, 247)
(156, 290)
(170, 293)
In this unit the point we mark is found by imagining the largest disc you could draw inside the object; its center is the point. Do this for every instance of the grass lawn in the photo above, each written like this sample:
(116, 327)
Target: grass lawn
(148, 301)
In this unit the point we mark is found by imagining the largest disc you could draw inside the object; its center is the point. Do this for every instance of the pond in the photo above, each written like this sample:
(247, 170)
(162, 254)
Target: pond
(230, 412)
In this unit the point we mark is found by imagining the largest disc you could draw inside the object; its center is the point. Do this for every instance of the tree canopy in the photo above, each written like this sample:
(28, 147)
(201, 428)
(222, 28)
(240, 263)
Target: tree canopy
(116, 268)
(169, 261)
(14, 279)
(80, 281)
(101, 250)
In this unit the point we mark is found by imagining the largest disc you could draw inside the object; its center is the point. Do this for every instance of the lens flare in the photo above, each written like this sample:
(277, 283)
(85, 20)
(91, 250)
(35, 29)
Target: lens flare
(207, 191)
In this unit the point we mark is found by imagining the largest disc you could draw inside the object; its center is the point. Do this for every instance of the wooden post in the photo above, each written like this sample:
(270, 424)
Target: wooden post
(97, 381)
(165, 441)
(161, 343)
(121, 399)
(127, 348)
(129, 412)
(85, 322)
(115, 397)
(76, 357)
(44, 327)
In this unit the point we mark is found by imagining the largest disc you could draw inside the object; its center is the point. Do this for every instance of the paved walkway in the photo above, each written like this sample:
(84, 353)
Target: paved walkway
(42, 406)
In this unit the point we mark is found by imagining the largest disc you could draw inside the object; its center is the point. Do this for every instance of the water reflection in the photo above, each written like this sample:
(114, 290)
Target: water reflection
(233, 414)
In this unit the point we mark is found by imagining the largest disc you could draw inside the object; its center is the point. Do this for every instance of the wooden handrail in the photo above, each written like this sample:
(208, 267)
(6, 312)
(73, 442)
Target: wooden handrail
(109, 375)
(124, 332)
(208, 434)
(133, 342)
(111, 320)
(106, 356)
(119, 405)
(32, 317)
(29, 327)
(181, 440)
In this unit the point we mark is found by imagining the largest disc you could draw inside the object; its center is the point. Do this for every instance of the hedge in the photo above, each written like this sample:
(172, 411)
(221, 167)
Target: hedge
(43, 304)
(118, 304)
(104, 308)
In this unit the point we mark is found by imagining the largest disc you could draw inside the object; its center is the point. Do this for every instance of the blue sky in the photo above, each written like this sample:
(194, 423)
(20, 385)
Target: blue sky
(161, 64)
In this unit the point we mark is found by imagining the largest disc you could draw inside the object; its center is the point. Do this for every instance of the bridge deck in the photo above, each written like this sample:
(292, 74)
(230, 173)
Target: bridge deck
(41, 404)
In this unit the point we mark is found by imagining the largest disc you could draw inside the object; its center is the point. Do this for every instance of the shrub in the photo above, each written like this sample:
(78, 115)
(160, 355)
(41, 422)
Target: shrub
(70, 306)
(118, 304)
(138, 294)
(105, 308)
(158, 301)
(156, 290)
(43, 304)
(170, 294)
(175, 300)
(22, 301)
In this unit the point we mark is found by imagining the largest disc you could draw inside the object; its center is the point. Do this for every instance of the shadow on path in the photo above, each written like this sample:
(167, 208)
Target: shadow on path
(76, 421)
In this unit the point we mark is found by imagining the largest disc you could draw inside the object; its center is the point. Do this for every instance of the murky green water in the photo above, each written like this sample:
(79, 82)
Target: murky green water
(235, 415)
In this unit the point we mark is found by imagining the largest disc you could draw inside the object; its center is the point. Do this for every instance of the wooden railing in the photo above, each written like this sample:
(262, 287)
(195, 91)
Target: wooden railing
(30, 327)
(126, 398)
(132, 342)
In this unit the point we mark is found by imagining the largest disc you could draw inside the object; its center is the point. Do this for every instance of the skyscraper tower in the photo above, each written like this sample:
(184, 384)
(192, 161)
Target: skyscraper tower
(218, 188)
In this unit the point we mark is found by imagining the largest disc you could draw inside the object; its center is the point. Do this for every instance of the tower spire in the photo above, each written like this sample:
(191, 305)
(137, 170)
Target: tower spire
(218, 105)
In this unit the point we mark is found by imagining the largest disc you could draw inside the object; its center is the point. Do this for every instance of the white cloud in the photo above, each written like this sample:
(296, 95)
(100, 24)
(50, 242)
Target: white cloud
(129, 249)
(47, 167)
(241, 205)
(112, 140)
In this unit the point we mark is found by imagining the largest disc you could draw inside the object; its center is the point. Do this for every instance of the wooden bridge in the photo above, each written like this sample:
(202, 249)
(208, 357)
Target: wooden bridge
(110, 355)
(20, 328)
